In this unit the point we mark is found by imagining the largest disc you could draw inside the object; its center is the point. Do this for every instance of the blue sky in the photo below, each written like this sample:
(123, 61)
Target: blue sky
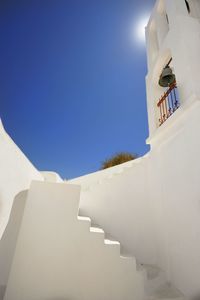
(72, 81)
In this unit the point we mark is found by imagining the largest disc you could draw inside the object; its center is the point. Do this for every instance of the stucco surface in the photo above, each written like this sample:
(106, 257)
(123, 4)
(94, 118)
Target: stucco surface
(58, 255)
(152, 206)
(16, 173)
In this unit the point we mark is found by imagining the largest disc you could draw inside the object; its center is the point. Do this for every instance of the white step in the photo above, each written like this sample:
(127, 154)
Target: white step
(85, 223)
(97, 235)
(130, 263)
(113, 247)
(109, 242)
(81, 218)
(166, 292)
(96, 230)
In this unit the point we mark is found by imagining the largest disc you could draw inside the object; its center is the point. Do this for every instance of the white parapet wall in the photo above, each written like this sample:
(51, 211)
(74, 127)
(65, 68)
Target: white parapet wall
(116, 198)
(51, 176)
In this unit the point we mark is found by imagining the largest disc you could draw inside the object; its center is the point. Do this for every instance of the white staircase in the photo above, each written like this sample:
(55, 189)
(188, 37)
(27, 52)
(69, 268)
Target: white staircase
(62, 256)
(59, 255)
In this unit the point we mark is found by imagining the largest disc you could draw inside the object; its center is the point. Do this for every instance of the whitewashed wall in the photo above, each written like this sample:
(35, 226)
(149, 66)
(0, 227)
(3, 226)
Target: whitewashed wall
(153, 206)
(180, 39)
(58, 255)
(16, 173)
(175, 161)
(9, 238)
(116, 199)
(175, 193)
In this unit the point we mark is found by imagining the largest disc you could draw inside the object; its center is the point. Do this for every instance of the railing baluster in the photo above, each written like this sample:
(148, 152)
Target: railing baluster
(160, 120)
(163, 108)
(168, 103)
(169, 107)
(176, 102)
(166, 110)
(172, 103)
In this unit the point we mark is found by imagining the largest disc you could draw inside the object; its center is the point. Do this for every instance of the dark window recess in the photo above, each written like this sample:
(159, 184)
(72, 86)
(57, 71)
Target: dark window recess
(167, 19)
(188, 6)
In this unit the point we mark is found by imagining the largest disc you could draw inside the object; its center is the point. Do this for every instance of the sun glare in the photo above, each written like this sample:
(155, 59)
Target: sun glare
(140, 28)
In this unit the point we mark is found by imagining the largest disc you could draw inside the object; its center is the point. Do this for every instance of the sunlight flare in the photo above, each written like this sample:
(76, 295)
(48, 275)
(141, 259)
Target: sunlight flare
(140, 28)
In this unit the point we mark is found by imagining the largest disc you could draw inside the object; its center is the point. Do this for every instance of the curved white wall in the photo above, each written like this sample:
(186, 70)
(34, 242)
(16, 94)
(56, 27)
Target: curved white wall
(16, 173)
(117, 200)
(9, 238)
(153, 206)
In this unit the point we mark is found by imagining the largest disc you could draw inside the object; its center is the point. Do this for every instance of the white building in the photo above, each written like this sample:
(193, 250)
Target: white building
(151, 205)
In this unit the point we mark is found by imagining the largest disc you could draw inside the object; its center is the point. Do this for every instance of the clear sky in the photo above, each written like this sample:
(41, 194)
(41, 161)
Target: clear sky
(72, 80)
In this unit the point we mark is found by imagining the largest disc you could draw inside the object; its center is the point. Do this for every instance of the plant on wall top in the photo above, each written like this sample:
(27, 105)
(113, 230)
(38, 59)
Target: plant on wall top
(117, 159)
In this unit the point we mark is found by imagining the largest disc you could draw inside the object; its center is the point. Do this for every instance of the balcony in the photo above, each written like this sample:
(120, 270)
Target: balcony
(168, 103)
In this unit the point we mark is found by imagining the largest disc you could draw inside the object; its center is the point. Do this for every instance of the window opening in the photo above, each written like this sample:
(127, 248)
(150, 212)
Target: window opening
(167, 19)
(188, 6)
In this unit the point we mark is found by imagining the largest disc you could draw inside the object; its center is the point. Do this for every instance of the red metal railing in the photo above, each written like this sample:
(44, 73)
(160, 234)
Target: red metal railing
(168, 103)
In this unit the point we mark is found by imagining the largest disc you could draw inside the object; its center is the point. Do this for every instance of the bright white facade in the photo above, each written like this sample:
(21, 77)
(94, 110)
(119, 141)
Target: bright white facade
(151, 205)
